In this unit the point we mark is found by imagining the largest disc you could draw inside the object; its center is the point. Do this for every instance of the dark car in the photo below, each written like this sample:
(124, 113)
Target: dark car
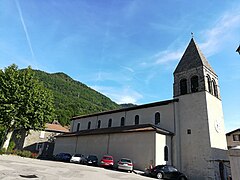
(63, 157)
(91, 160)
(167, 172)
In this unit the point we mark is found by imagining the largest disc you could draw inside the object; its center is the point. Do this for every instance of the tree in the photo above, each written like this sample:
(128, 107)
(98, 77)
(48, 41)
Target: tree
(25, 103)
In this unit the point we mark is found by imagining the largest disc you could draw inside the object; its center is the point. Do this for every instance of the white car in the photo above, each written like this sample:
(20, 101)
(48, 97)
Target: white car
(77, 158)
(125, 164)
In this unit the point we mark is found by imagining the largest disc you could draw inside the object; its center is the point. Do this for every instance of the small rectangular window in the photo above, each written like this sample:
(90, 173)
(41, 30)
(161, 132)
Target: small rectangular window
(236, 137)
(189, 131)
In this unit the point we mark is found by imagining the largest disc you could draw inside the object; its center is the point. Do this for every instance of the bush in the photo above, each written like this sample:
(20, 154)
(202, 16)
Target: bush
(11, 146)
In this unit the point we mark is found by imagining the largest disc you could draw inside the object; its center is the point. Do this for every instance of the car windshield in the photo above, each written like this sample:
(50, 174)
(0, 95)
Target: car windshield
(92, 157)
(126, 160)
(107, 158)
(78, 155)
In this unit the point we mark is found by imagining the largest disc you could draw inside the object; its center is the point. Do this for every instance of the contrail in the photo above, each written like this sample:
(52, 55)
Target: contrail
(25, 28)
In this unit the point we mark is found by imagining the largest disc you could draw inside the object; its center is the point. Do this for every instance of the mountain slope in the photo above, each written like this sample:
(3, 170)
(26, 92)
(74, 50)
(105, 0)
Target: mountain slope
(73, 98)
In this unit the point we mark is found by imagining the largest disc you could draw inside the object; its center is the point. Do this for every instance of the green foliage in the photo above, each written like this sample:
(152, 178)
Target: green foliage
(72, 98)
(25, 102)
(11, 146)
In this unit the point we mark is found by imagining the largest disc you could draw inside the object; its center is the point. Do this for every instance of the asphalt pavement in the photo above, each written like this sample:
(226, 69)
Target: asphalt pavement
(19, 168)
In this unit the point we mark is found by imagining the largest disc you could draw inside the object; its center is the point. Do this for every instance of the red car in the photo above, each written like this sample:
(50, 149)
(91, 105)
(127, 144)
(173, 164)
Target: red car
(107, 161)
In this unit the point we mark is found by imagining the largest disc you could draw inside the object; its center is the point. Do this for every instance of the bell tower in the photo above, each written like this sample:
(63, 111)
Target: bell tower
(200, 134)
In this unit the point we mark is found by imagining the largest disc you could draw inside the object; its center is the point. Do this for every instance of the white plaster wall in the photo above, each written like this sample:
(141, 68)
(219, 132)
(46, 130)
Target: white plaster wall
(161, 142)
(93, 144)
(138, 146)
(216, 122)
(65, 144)
(146, 116)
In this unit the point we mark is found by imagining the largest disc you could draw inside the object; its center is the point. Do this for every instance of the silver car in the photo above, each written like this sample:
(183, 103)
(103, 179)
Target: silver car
(125, 164)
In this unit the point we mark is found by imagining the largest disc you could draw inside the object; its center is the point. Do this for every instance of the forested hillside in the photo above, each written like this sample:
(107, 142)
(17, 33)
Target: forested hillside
(73, 98)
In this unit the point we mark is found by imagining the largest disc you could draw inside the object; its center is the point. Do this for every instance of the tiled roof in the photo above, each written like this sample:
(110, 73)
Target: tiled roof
(56, 128)
(123, 129)
(236, 130)
(192, 58)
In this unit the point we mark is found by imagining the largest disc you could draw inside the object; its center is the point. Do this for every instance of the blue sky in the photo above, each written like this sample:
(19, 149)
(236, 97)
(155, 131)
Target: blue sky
(125, 49)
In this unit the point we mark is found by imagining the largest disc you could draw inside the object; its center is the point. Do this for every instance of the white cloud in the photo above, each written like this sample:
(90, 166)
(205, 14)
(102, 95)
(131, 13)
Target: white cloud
(119, 95)
(167, 56)
(223, 30)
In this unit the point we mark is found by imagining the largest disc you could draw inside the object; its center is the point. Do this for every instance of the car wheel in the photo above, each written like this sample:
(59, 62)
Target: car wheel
(159, 175)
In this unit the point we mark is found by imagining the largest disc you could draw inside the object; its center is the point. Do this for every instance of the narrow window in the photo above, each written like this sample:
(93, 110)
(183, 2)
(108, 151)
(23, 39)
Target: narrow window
(110, 123)
(194, 84)
(189, 131)
(157, 118)
(122, 121)
(99, 124)
(165, 153)
(136, 119)
(209, 84)
(215, 89)
(89, 125)
(236, 137)
(78, 126)
(183, 86)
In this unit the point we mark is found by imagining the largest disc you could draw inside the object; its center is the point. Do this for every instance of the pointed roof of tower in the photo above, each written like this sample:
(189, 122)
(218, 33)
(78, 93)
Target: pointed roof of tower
(192, 58)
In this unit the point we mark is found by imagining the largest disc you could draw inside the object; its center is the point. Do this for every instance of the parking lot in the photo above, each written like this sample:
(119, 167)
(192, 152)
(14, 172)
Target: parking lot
(15, 167)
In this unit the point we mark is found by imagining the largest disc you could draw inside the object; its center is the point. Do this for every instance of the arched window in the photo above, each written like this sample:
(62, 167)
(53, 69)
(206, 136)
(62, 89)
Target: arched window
(89, 124)
(209, 84)
(110, 123)
(165, 153)
(136, 119)
(99, 124)
(183, 86)
(157, 118)
(215, 88)
(194, 84)
(122, 121)
(78, 126)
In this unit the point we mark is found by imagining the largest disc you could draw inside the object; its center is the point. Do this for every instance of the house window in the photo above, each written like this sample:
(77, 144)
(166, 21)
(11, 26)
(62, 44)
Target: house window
(110, 123)
(189, 131)
(183, 86)
(42, 134)
(78, 126)
(136, 119)
(165, 153)
(89, 124)
(194, 84)
(99, 124)
(39, 146)
(215, 90)
(157, 118)
(122, 121)
(209, 84)
(236, 137)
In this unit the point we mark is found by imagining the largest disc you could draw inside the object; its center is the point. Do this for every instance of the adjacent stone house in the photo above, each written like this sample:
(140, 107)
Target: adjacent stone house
(233, 138)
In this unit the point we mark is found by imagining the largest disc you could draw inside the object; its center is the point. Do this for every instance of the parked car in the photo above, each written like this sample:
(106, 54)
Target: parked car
(167, 172)
(77, 158)
(91, 160)
(107, 161)
(125, 164)
(63, 157)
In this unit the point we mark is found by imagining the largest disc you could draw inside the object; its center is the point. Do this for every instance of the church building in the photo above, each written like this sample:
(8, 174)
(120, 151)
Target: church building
(186, 131)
